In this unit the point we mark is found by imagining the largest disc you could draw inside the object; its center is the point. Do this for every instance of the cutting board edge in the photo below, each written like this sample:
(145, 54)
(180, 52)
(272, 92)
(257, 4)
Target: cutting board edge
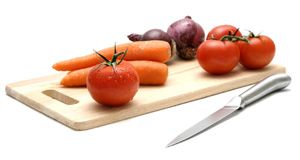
(35, 80)
(38, 107)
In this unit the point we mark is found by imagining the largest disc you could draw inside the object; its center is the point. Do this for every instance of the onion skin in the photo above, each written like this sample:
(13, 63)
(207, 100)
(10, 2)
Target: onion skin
(153, 34)
(188, 35)
(135, 37)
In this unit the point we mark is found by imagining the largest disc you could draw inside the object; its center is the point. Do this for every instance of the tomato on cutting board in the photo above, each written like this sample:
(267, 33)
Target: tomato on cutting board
(113, 83)
(258, 52)
(222, 30)
(218, 57)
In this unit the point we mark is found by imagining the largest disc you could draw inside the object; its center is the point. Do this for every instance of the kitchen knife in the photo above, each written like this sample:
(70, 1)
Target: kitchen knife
(266, 86)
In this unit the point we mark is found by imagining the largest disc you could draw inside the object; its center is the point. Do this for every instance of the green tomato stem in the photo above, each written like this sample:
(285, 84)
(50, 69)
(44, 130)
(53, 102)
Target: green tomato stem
(113, 61)
(252, 35)
(235, 32)
(234, 38)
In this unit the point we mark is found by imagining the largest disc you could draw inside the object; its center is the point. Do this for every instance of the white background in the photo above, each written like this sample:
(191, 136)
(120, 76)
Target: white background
(35, 34)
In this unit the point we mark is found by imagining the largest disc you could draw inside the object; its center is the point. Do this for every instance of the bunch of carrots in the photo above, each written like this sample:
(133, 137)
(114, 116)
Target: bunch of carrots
(147, 57)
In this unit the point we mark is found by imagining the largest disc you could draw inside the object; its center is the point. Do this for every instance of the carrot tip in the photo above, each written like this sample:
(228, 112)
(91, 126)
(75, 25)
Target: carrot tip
(54, 66)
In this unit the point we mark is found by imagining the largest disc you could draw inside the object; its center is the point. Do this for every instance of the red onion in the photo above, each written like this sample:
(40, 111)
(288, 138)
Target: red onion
(188, 35)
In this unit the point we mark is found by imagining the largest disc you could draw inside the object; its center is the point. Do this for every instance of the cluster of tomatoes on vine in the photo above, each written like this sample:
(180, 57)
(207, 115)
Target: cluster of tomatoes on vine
(225, 48)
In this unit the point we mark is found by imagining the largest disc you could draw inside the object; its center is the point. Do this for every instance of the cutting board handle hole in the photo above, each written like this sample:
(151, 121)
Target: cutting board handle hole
(60, 97)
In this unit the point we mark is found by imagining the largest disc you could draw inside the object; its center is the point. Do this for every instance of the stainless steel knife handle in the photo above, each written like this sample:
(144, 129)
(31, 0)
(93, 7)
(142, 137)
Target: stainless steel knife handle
(266, 86)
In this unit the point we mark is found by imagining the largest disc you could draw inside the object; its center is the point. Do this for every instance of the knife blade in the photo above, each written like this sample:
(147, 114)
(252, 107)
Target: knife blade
(261, 89)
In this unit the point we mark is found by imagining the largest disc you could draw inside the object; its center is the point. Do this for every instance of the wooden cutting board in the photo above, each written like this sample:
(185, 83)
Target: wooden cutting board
(75, 108)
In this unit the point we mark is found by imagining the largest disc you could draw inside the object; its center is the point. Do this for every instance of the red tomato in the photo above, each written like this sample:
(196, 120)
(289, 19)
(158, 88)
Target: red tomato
(258, 53)
(113, 86)
(222, 30)
(218, 57)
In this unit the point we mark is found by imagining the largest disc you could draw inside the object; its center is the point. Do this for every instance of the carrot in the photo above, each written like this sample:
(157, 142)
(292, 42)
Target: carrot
(150, 73)
(75, 78)
(154, 50)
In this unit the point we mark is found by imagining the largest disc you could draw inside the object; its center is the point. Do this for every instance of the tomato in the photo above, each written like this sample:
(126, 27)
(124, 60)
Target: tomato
(222, 30)
(218, 57)
(258, 53)
(113, 84)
